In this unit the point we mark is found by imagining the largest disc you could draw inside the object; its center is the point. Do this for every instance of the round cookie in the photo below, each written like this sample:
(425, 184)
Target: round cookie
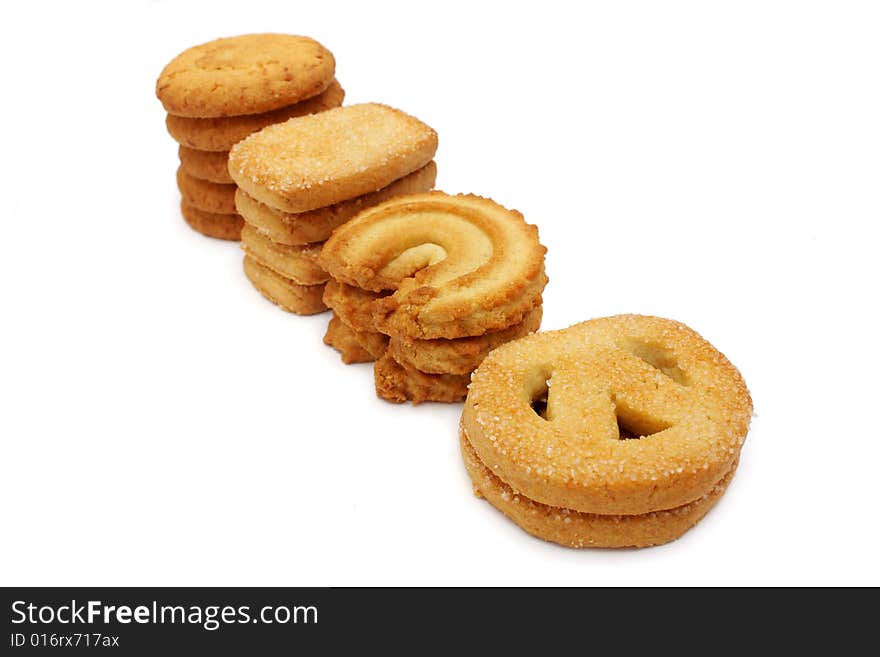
(204, 195)
(575, 529)
(205, 165)
(457, 266)
(462, 355)
(620, 415)
(222, 133)
(298, 263)
(317, 160)
(398, 383)
(299, 299)
(221, 226)
(246, 74)
(318, 225)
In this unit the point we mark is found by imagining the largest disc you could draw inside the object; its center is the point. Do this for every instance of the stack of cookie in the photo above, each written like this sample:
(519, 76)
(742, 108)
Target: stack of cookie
(617, 432)
(218, 93)
(427, 285)
(299, 180)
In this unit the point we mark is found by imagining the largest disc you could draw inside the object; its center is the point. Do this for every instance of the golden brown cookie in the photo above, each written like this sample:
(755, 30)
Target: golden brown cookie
(317, 225)
(204, 195)
(355, 347)
(314, 161)
(351, 304)
(458, 266)
(222, 133)
(205, 165)
(299, 299)
(298, 263)
(221, 226)
(246, 74)
(375, 344)
(398, 383)
(621, 415)
(575, 529)
(343, 340)
(462, 355)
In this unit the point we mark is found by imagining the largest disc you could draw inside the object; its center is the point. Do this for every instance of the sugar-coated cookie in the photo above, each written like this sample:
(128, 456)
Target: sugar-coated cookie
(246, 74)
(578, 530)
(317, 160)
(620, 415)
(318, 225)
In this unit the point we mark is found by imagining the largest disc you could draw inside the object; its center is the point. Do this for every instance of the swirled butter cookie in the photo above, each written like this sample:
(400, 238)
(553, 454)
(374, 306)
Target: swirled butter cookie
(317, 160)
(247, 74)
(354, 346)
(461, 356)
(623, 415)
(351, 304)
(399, 383)
(457, 266)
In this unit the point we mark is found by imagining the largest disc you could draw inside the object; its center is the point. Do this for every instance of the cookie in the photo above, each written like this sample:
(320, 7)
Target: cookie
(621, 415)
(247, 74)
(222, 133)
(314, 161)
(355, 347)
(221, 226)
(204, 195)
(318, 225)
(299, 299)
(372, 344)
(205, 165)
(398, 383)
(457, 266)
(351, 304)
(575, 529)
(462, 355)
(298, 263)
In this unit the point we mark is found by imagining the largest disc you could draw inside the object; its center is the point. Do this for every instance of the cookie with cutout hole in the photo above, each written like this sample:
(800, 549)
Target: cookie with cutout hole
(578, 530)
(640, 414)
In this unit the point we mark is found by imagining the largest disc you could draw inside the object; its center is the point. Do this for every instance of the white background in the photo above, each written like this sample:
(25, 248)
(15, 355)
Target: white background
(717, 163)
